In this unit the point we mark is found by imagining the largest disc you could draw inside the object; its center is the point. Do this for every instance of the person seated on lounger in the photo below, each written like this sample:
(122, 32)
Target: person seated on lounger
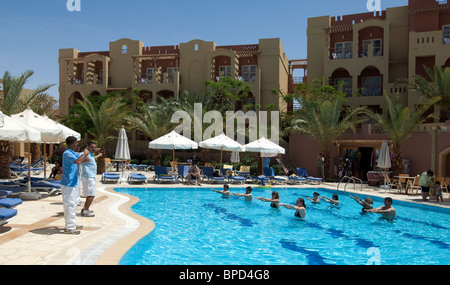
(334, 201)
(225, 192)
(274, 202)
(56, 171)
(387, 211)
(193, 173)
(367, 203)
(315, 199)
(248, 194)
(300, 208)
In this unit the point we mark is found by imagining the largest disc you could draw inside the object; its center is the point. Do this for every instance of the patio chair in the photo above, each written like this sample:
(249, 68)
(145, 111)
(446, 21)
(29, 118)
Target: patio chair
(301, 172)
(413, 185)
(136, 177)
(161, 174)
(108, 164)
(208, 173)
(268, 172)
(6, 215)
(244, 171)
(228, 174)
(392, 183)
(295, 179)
(183, 171)
(110, 177)
(445, 184)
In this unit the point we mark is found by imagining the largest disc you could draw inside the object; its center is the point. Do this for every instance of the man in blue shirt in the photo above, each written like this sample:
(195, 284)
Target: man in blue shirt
(88, 174)
(69, 182)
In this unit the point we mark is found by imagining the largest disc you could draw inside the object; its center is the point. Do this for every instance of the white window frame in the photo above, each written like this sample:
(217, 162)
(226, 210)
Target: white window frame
(170, 74)
(343, 50)
(375, 48)
(249, 73)
(148, 75)
(446, 35)
(225, 71)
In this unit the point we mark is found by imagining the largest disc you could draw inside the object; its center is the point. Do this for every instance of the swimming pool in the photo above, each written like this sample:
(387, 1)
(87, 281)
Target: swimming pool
(196, 226)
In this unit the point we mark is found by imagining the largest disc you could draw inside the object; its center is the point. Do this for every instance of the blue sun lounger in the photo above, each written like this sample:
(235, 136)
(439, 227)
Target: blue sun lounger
(183, 171)
(52, 187)
(6, 215)
(5, 193)
(10, 203)
(161, 175)
(14, 189)
(208, 174)
(268, 172)
(110, 177)
(301, 172)
(231, 178)
(136, 177)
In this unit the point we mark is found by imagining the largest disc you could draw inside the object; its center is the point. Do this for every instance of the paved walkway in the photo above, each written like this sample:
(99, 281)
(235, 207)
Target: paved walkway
(35, 236)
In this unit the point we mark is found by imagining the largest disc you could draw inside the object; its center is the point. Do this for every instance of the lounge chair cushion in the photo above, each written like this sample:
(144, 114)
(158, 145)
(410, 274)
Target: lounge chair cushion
(7, 213)
(10, 202)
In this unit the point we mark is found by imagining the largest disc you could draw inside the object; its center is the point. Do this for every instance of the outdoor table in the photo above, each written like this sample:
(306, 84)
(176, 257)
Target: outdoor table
(407, 179)
(117, 161)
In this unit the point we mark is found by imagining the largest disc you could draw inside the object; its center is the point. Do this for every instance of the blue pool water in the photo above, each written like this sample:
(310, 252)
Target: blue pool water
(198, 226)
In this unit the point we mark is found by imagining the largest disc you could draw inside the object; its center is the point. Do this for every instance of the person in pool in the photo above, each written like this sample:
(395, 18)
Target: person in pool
(315, 199)
(225, 192)
(248, 194)
(367, 203)
(300, 208)
(387, 211)
(334, 201)
(274, 202)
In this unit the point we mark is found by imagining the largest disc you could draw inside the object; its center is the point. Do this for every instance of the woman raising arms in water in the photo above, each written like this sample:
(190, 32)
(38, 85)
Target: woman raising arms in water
(300, 208)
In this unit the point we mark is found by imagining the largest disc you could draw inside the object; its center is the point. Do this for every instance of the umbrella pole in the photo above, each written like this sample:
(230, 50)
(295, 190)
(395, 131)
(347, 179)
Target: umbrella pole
(29, 195)
(221, 151)
(45, 161)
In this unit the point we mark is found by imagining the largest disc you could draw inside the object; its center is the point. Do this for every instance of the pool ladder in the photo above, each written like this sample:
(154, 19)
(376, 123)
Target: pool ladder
(352, 178)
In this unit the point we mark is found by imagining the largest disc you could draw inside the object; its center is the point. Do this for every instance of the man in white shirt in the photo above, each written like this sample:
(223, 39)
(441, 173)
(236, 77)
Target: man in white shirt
(88, 174)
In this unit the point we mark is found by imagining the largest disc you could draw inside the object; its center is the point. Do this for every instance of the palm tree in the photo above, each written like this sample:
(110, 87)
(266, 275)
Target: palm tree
(105, 119)
(152, 121)
(322, 117)
(436, 85)
(400, 124)
(12, 103)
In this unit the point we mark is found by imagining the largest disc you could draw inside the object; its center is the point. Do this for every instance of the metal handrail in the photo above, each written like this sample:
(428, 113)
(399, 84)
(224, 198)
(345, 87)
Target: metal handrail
(352, 178)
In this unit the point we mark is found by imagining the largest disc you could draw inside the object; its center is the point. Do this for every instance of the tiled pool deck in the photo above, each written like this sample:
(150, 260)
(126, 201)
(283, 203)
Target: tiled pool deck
(35, 236)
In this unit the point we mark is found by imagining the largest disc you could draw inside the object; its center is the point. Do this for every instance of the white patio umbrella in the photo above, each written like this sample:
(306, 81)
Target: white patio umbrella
(173, 141)
(265, 147)
(384, 159)
(50, 132)
(65, 131)
(221, 142)
(122, 149)
(15, 131)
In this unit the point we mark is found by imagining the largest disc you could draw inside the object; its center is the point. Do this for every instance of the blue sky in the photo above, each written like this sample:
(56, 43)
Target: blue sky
(32, 31)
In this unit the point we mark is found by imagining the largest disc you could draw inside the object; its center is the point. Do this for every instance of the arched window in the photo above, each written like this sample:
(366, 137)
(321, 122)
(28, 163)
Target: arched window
(196, 47)
(124, 49)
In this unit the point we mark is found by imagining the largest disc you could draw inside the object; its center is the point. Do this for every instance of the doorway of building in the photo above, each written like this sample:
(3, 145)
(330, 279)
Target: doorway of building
(366, 161)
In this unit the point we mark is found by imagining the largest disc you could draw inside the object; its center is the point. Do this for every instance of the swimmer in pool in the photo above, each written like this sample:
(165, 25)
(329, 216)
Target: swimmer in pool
(315, 199)
(367, 203)
(274, 201)
(248, 194)
(300, 208)
(225, 192)
(387, 211)
(334, 201)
